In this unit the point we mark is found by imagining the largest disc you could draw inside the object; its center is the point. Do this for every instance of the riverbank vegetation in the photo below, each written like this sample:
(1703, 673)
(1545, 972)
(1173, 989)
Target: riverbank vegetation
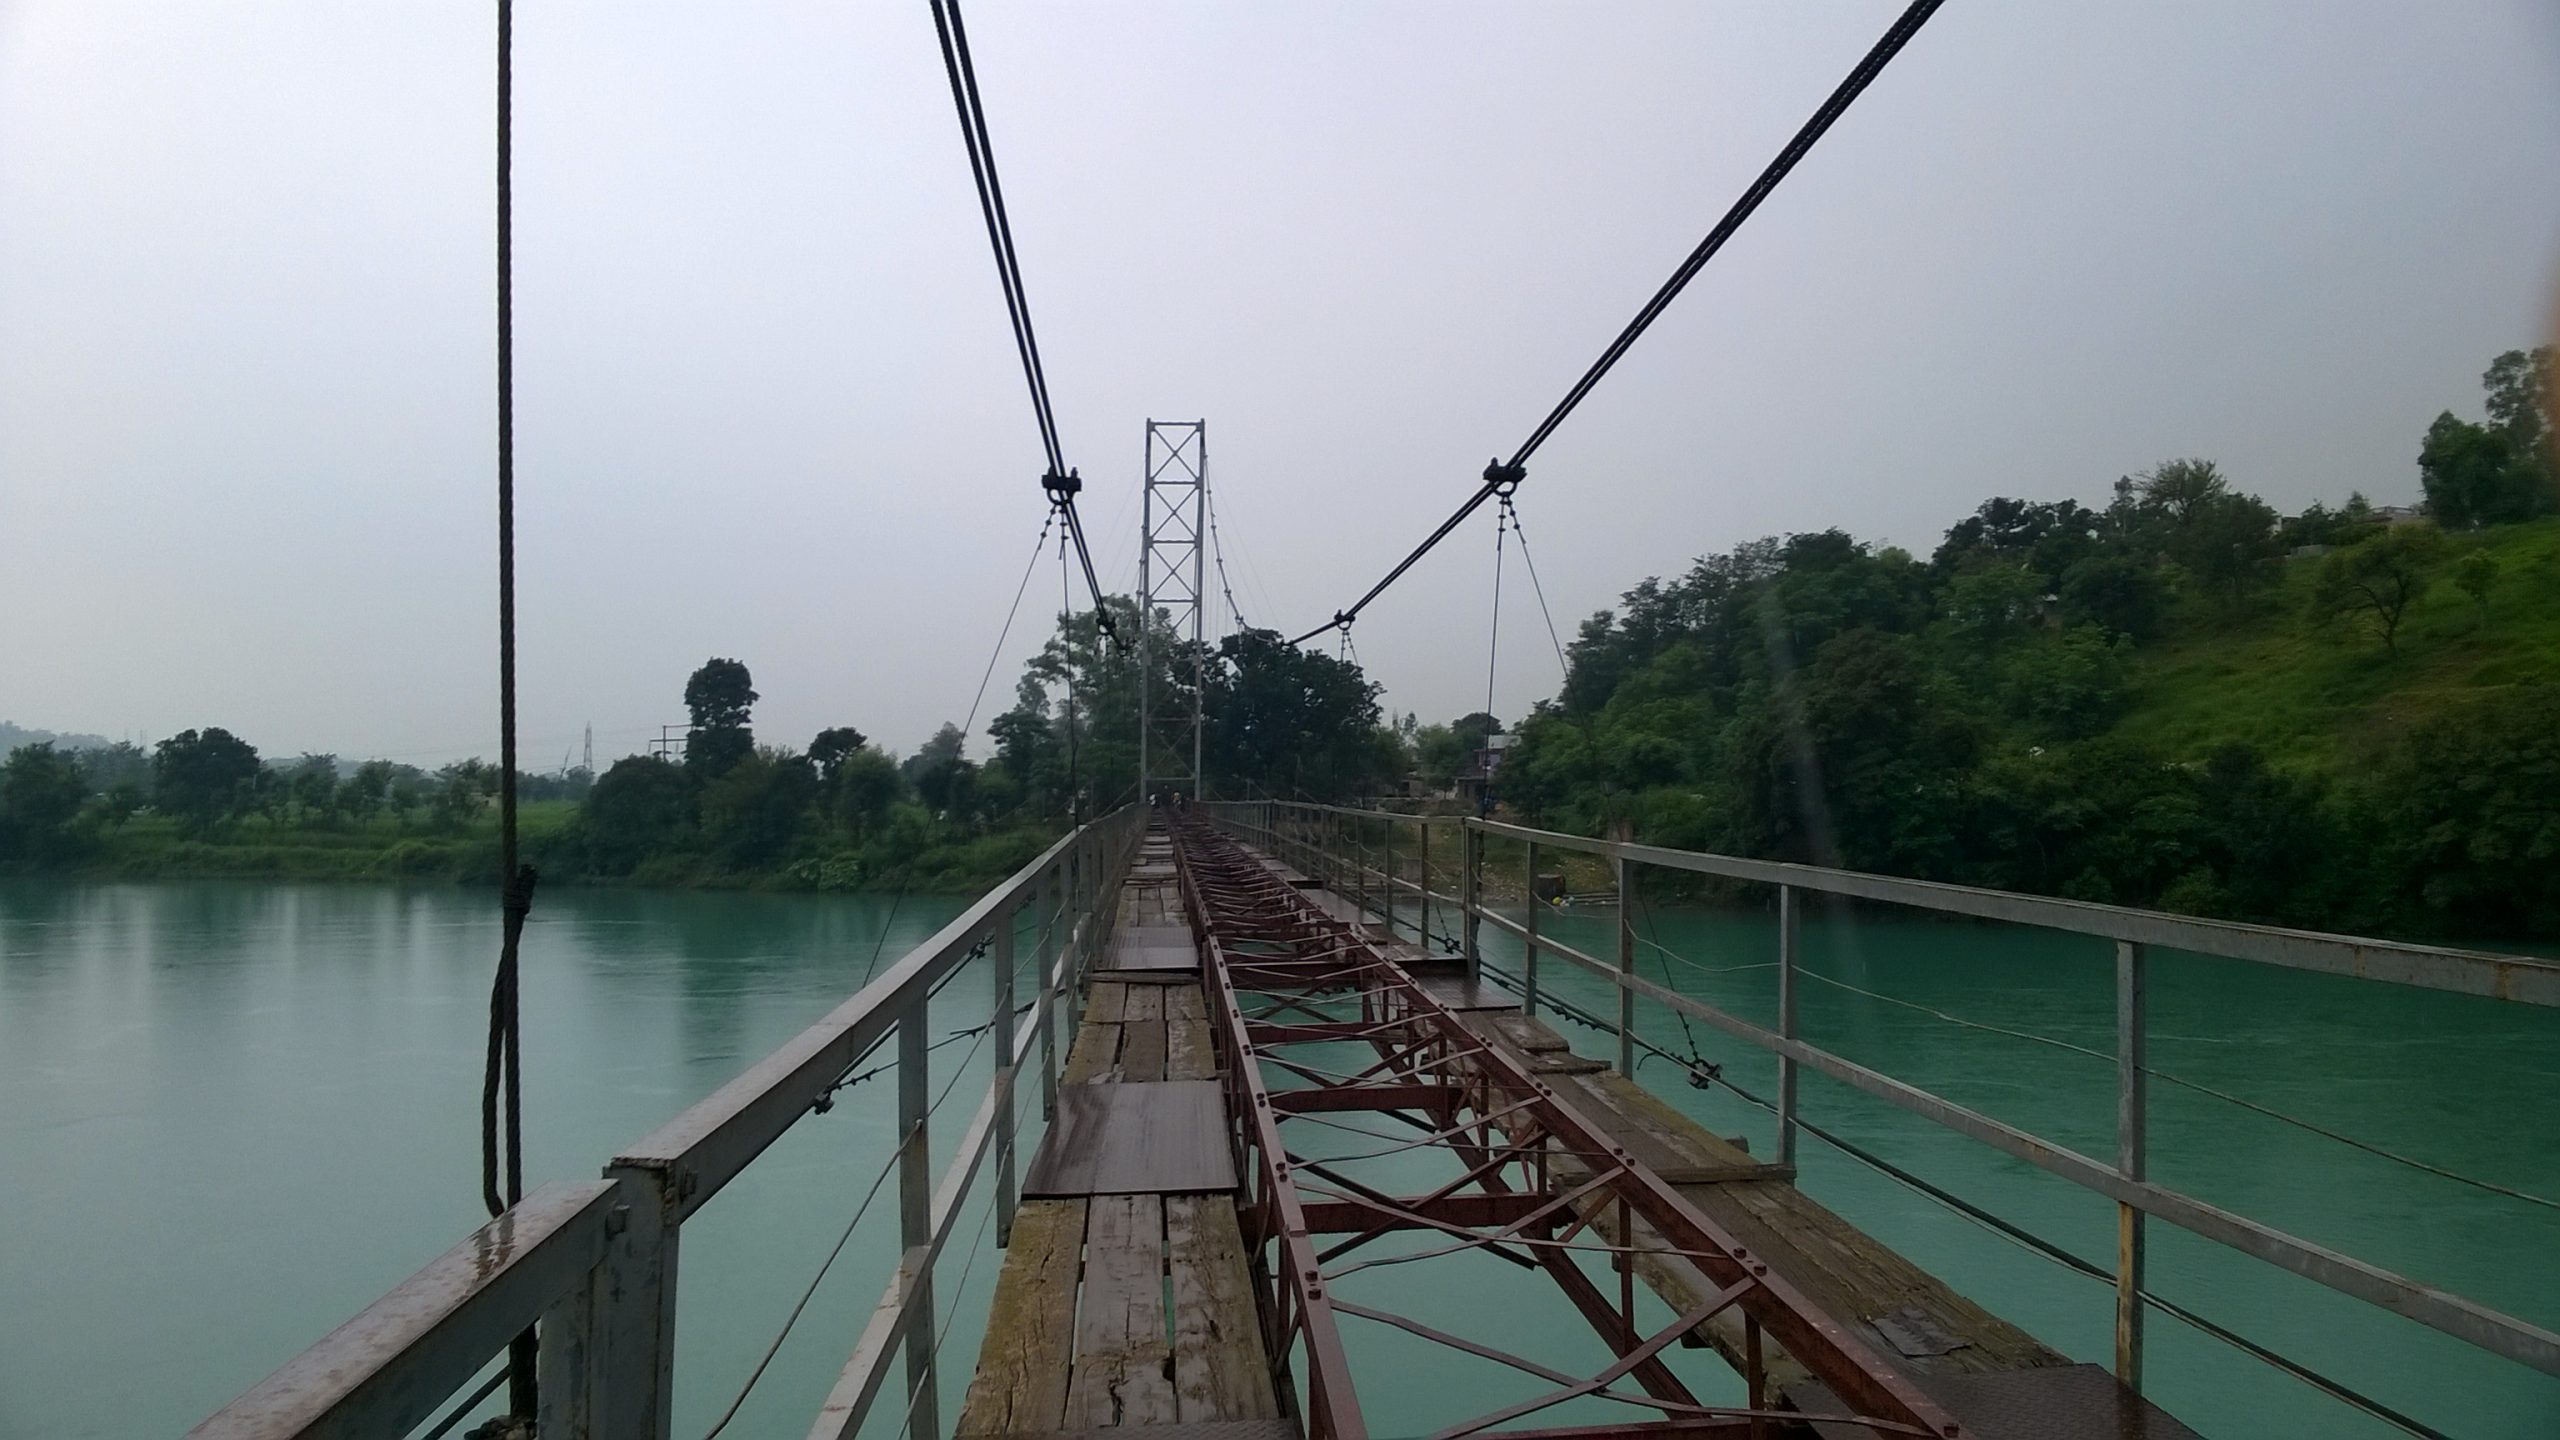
(2339, 718)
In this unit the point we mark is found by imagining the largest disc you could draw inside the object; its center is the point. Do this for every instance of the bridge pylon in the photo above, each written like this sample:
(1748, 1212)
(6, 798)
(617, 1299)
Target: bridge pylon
(1172, 550)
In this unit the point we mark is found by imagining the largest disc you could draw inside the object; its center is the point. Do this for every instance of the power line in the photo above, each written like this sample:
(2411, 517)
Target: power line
(1502, 477)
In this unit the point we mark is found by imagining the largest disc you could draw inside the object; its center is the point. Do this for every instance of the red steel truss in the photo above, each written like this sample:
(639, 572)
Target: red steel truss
(1534, 1173)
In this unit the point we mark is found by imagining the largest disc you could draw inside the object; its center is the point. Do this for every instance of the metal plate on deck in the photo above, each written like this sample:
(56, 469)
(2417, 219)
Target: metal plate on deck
(1154, 949)
(1156, 1137)
(2055, 1402)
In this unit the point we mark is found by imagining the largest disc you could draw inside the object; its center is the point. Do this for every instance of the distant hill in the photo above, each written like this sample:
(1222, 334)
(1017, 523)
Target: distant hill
(13, 736)
(2330, 699)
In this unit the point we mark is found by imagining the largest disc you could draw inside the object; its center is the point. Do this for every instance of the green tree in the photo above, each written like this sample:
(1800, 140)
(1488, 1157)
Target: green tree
(2180, 490)
(2473, 476)
(866, 787)
(314, 783)
(720, 697)
(364, 793)
(832, 746)
(2379, 580)
(757, 808)
(203, 778)
(2229, 542)
(2467, 808)
(41, 791)
(641, 806)
(2120, 593)
(1293, 721)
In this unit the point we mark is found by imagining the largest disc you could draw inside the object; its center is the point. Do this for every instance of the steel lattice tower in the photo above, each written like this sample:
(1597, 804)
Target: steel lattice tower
(1172, 546)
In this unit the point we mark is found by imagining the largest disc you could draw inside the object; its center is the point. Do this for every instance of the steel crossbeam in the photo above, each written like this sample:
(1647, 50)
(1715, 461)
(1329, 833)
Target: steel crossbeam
(1533, 1170)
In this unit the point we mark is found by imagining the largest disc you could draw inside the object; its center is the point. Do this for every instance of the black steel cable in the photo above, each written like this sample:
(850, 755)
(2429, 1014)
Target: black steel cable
(1540, 590)
(1493, 645)
(1060, 481)
(1899, 34)
(1500, 476)
(1001, 635)
(973, 134)
(503, 1074)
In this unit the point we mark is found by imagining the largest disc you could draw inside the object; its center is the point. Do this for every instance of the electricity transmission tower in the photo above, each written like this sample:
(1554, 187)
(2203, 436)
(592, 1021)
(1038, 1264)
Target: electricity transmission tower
(1172, 542)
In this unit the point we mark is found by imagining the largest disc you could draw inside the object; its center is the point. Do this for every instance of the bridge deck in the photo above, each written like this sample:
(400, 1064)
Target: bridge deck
(1079, 1337)
(1849, 1273)
(1137, 1306)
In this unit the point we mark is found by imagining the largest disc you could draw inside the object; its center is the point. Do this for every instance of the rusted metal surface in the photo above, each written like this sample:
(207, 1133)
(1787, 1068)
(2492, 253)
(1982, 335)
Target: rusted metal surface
(1279, 970)
(1161, 1137)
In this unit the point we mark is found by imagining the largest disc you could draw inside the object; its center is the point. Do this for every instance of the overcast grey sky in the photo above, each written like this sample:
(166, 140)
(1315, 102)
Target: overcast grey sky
(766, 396)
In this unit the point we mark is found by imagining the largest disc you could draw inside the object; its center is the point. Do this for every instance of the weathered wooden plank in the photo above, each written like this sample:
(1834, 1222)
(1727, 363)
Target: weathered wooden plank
(1218, 1368)
(1095, 1055)
(1142, 1002)
(1142, 1050)
(1841, 1269)
(1189, 1052)
(1121, 1350)
(1024, 1363)
(1106, 1003)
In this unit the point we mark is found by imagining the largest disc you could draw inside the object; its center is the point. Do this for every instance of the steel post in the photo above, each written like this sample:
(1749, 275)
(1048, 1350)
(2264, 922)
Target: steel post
(2132, 1127)
(1387, 874)
(1787, 928)
(635, 1334)
(1529, 939)
(1005, 1069)
(1626, 878)
(915, 1215)
(1471, 887)
(1422, 847)
(1052, 925)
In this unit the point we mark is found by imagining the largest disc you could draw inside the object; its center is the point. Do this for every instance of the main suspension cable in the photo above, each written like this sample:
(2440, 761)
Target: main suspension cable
(1501, 477)
(1060, 481)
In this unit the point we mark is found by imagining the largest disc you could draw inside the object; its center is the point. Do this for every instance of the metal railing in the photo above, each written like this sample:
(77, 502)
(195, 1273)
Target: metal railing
(1364, 855)
(594, 1264)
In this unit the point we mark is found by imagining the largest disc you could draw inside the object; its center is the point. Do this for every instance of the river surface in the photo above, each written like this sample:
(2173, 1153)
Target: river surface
(231, 1114)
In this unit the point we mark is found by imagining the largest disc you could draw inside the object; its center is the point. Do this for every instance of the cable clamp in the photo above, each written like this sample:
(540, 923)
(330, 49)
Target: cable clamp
(1062, 489)
(1504, 478)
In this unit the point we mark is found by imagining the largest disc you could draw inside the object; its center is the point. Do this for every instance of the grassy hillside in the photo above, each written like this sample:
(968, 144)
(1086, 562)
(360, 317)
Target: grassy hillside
(2328, 697)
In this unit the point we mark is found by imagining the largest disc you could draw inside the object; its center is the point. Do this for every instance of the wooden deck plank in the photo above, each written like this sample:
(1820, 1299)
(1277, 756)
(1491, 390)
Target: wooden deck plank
(1106, 1002)
(1095, 1056)
(1142, 1050)
(1190, 1054)
(1218, 1367)
(1121, 1349)
(1021, 1384)
(1841, 1269)
(1142, 1002)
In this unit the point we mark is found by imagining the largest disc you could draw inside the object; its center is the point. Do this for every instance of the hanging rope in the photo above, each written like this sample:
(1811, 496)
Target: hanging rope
(1501, 477)
(1493, 645)
(1016, 608)
(502, 1079)
(1513, 511)
(1067, 609)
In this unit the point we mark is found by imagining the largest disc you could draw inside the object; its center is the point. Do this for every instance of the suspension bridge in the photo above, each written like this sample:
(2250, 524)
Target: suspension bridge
(1259, 1090)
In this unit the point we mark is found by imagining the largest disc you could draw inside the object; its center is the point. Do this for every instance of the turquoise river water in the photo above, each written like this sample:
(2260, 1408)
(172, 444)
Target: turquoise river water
(234, 1113)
